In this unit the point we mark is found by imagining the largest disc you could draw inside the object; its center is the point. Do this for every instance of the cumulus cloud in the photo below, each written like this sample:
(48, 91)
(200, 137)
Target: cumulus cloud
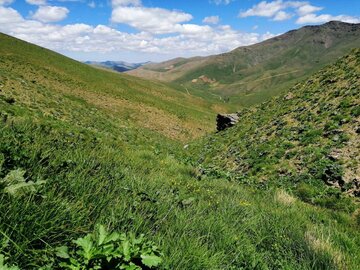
(211, 20)
(313, 18)
(116, 3)
(282, 16)
(9, 16)
(191, 39)
(36, 2)
(221, 2)
(306, 9)
(5, 2)
(280, 10)
(264, 9)
(50, 13)
(154, 20)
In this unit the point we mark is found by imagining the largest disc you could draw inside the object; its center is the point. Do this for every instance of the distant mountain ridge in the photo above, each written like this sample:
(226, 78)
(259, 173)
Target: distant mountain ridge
(120, 66)
(251, 74)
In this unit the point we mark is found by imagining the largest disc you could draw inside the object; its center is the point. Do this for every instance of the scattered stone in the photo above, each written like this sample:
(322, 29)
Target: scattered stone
(335, 155)
(224, 121)
(289, 96)
(354, 189)
(9, 100)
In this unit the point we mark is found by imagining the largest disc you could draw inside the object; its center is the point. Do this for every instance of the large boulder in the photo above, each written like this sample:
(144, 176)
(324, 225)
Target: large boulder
(224, 121)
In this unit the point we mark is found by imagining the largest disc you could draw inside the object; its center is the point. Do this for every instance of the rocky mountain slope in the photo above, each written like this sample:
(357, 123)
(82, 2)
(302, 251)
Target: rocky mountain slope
(307, 140)
(251, 74)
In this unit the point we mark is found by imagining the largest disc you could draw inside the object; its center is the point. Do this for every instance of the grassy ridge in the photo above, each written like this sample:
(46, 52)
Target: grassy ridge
(33, 75)
(306, 141)
(100, 168)
(252, 74)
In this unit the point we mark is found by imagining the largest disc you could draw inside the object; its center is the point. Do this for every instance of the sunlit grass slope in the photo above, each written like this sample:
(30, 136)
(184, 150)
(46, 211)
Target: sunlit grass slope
(56, 85)
(306, 141)
(99, 168)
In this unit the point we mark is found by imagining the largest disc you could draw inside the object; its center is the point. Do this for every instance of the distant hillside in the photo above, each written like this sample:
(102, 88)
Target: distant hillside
(251, 74)
(307, 140)
(119, 66)
(44, 79)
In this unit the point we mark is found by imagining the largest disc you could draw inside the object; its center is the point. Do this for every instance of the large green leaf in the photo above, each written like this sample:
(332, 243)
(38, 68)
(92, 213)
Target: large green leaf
(62, 252)
(87, 245)
(151, 260)
(102, 234)
(16, 185)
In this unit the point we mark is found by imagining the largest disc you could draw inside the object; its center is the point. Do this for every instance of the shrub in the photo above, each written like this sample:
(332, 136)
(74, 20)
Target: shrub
(305, 192)
(15, 184)
(104, 250)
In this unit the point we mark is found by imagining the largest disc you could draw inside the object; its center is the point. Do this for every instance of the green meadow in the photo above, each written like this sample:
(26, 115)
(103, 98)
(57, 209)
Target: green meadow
(86, 152)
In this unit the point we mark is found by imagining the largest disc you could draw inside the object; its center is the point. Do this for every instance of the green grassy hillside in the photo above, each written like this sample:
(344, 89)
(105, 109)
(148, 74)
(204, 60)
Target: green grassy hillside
(54, 85)
(71, 158)
(252, 74)
(306, 141)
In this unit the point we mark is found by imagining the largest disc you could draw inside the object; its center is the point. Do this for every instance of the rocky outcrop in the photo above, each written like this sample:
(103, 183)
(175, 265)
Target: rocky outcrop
(224, 121)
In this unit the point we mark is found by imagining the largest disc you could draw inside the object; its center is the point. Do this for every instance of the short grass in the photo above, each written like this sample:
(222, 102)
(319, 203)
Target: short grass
(53, 83)
(101, 168)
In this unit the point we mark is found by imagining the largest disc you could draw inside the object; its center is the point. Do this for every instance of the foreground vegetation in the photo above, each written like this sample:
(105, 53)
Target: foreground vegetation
(76, 177)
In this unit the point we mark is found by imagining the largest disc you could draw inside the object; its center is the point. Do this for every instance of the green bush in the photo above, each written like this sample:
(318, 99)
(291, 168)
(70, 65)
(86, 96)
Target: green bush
(305, 192)
(16, 185)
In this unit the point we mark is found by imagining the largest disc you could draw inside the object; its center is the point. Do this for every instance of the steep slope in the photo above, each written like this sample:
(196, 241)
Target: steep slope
(307, 140)
(32, 75)
(251, 74)
(68, 164)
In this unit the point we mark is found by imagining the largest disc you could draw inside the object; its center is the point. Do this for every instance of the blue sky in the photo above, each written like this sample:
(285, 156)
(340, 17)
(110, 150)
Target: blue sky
(156, 30)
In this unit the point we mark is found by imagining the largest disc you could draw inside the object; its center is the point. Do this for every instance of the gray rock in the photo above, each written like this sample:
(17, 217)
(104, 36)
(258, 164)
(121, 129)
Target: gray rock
(224, 121)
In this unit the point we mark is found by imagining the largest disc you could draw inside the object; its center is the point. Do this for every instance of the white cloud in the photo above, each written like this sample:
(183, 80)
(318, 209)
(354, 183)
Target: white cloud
(272, 8)
(221, 2)
(36, 2)
(313, 18)
(6, 2)
(306, 9)
(50, 13)
(280, 10)
(9, 16)
(191, 39)
(264, 9)
(211, 20)
(124, 3)
(282, 16)
(186, 39)
(154, 20)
